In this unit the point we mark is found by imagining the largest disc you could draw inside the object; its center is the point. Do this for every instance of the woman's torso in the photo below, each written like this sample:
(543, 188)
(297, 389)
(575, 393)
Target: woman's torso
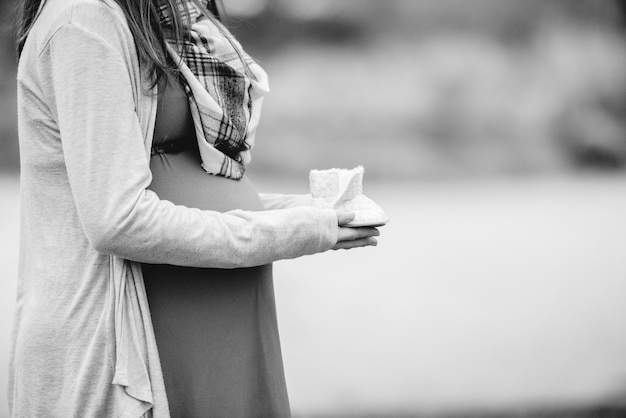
(216, 329)
(176, 166)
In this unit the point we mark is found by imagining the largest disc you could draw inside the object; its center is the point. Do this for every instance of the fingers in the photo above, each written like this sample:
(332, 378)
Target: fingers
(351, 234)
(344, 217)
(361, 242)
(353, 237)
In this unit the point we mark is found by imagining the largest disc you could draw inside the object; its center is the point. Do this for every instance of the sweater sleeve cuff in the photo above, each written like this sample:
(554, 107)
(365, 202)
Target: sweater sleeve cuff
(328, 229)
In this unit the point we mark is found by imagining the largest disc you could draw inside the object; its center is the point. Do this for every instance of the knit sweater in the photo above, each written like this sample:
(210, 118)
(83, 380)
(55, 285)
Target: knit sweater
(83, 344)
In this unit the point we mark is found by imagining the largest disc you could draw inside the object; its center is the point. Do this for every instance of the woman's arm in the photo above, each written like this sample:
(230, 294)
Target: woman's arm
(284, 201)
(347, 238)
(109, 174)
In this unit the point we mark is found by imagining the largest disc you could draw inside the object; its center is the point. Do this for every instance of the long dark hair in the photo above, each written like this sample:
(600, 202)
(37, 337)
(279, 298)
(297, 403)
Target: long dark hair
(143, 21)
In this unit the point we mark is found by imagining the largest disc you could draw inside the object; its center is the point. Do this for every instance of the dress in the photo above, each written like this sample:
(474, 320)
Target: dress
(216, 329)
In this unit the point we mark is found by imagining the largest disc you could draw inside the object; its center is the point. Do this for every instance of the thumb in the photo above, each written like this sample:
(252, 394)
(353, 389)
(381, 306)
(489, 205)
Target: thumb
(344, 217)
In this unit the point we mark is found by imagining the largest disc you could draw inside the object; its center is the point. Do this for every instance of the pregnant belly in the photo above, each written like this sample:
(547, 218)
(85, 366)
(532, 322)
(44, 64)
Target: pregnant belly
(179, 178)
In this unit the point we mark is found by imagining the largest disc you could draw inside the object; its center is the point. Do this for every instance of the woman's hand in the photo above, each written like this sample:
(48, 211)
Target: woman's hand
(353, 237)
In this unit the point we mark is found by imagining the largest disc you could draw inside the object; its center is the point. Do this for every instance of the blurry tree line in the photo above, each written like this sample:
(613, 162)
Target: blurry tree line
(496, 85)
(464, 119)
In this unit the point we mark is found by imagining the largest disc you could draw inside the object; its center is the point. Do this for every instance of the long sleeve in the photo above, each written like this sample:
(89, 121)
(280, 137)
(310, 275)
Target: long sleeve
(284, 201)
(108, 172)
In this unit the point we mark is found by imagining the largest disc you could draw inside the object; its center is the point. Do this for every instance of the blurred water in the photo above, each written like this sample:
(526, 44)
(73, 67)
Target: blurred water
(493, 294)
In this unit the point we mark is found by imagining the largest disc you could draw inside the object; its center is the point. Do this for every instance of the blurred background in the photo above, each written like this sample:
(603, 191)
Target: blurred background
(493, 133)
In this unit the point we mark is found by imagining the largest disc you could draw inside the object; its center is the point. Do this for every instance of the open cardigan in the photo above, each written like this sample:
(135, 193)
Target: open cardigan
(83, 344)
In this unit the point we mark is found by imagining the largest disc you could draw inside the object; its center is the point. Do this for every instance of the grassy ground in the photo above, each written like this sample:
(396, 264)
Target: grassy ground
(501, 295)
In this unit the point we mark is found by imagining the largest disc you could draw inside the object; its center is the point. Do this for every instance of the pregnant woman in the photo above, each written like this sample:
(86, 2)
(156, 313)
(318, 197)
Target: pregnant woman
(145, 279)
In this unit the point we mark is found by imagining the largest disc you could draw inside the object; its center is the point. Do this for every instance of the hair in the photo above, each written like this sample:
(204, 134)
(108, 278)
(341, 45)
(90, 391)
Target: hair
(143, 21)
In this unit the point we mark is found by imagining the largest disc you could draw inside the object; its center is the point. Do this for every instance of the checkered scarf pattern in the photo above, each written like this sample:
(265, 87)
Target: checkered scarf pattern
(225, 88)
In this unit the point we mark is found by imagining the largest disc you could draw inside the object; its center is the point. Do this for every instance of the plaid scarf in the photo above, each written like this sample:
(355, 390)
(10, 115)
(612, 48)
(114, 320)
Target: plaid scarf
(225, 88)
